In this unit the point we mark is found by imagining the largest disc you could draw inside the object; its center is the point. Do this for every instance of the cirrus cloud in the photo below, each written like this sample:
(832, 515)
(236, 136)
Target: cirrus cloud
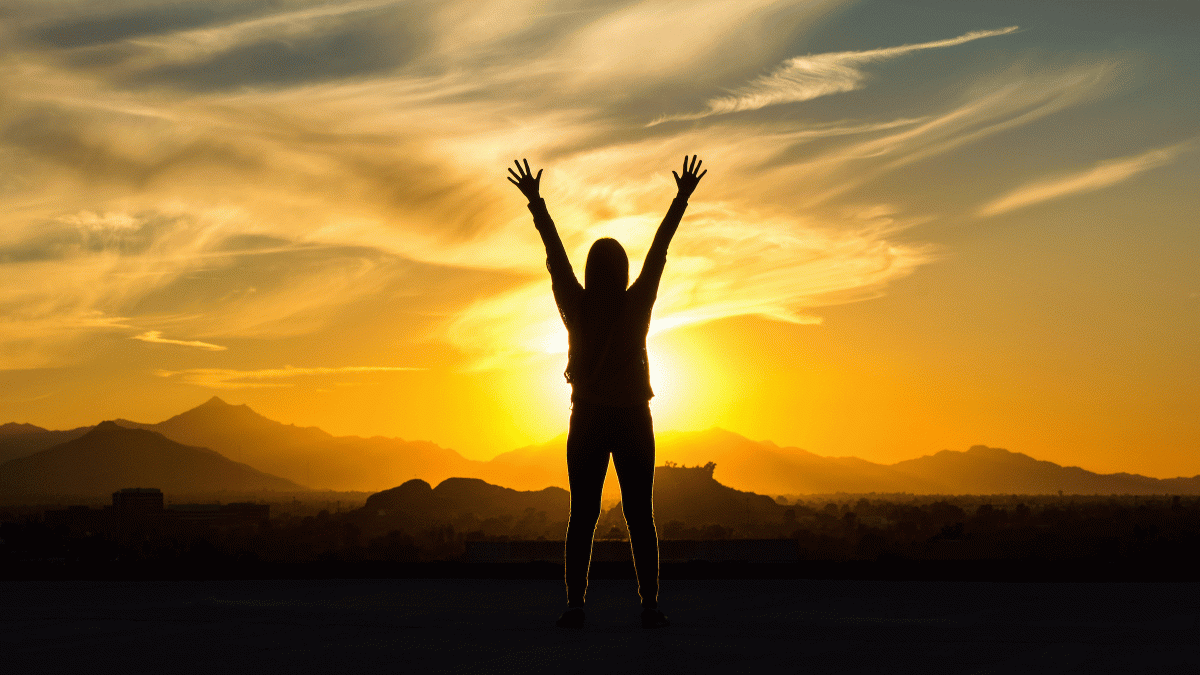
(1103, 174)
(156, 337)
(803, 78)
(223, 378)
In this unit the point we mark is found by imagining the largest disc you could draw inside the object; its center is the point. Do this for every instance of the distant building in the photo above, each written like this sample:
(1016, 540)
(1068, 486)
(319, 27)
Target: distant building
(143, 507)
(137, 500)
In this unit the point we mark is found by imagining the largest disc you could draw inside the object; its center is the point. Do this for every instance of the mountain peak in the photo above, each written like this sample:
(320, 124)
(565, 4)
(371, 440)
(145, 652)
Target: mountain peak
(107, 427)
(15, 429)
(220, 425)
(220, 408)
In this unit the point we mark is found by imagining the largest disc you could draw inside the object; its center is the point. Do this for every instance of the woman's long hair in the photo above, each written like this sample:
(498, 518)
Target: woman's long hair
(604, 281)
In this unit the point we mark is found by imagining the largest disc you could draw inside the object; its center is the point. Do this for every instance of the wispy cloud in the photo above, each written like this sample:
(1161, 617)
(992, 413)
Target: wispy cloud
(157, 338)
(1102, 175)
(191, 44)
(200, 272)
(807, 77)
(199, 181)
(220, 378)
(1023, 94)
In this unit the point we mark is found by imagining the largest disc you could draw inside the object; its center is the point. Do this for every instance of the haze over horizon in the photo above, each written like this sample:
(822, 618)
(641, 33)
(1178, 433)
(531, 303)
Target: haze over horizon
(925, 226)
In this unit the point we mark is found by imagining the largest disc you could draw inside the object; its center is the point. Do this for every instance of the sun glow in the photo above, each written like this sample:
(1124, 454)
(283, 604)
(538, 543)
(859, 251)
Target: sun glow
(535, 396)
(554, 342)
(663, 375)
(675, 386)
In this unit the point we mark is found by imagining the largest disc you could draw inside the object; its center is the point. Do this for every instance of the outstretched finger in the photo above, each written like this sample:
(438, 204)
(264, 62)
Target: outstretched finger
(527, 168)
(519, 170)
(697, 167)
(701, 175)
(512, 181)
(515, 174)
(692, 168)
(539, 176)
(676, 176)
(685, 159)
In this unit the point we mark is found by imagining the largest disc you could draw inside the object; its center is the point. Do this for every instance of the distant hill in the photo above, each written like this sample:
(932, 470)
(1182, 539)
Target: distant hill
(309, 455)
(15, 429)
(769, 469)
(687, 494)
(765, 468)
(22, 440)
(762, 467)
(416, 504)
(692, 495)
(110, 457)
(984, 470)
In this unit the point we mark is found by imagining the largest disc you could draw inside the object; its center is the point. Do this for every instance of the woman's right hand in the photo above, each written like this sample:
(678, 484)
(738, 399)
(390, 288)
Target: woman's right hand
(526, 182)
(688, 181)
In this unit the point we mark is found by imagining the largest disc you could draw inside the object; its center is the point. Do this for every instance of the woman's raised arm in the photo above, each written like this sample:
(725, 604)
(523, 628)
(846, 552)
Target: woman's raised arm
(562, 277)
(656, 257)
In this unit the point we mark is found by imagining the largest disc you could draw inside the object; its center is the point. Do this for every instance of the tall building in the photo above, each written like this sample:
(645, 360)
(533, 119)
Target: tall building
(137, 500)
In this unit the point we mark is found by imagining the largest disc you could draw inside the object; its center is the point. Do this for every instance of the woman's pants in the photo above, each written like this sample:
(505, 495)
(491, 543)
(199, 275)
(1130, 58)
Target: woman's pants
(628, 433)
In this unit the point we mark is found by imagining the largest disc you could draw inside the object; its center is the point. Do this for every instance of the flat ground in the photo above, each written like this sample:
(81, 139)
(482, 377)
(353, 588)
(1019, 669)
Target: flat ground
(500, 626)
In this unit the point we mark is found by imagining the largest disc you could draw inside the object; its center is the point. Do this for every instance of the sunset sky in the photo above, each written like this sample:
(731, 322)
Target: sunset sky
(925, 225)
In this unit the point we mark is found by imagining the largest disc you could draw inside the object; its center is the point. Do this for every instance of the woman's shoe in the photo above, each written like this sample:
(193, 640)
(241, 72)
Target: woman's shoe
(653, 618)
(572, 618)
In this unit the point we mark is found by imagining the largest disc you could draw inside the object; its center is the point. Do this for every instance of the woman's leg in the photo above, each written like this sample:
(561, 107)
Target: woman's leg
(633, 455)
(587, 462)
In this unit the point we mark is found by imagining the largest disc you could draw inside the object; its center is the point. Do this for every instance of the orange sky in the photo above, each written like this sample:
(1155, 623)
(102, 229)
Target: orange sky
(924, 226)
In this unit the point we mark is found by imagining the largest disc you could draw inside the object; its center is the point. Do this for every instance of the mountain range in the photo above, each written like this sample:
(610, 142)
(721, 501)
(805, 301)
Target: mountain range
(21, 440)
(766, 468)
(311, 457)
(308, 455)
(110, 457)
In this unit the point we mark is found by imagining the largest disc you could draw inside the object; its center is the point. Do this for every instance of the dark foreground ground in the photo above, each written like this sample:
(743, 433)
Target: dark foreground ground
(474, 626)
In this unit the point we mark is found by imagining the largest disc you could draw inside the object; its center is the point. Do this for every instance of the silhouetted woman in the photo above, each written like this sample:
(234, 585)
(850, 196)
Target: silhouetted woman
(607, 325)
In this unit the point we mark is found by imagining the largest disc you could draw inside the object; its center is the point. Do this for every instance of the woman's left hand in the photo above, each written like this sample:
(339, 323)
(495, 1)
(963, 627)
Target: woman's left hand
(526, 182)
